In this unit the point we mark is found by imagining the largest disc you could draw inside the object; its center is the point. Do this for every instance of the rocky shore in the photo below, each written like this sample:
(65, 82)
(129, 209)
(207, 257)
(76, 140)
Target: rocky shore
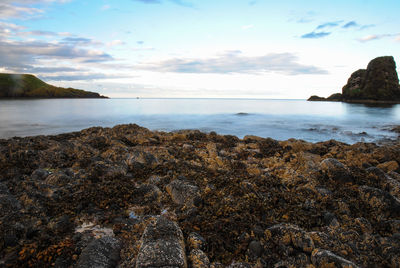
(130, 197)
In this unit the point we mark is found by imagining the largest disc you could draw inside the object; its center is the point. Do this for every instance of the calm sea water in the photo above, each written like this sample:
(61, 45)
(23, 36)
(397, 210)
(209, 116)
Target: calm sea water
(278, 119)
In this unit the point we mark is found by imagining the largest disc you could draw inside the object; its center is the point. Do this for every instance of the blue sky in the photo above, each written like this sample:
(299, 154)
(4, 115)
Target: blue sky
(187, 48)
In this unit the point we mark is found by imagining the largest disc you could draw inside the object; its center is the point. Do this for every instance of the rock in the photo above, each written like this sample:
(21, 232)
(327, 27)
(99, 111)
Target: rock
(148, 193)
(378, 82)
(140, 159)
(58, 179)
(316, 98)
(389, 166)
(255, 249)
(289, 234)
(196, 241)
(364, 225)
(199, 259)
(382, 202)
(354, 85)
(162, 245)
(325, 258)
(9, 205)
(239, 265)
(335, 170)
(102, 252)
(183, 193)
(40, 174)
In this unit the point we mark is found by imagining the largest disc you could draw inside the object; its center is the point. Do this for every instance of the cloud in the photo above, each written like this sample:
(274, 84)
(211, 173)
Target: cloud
(116, 43)
(328, 25)
(350, 24)
(374, 37)
(315, 35)
(246, 27)
(178, 2)
(80, 77)
(21, 8)
(234, 62)
(25, 54)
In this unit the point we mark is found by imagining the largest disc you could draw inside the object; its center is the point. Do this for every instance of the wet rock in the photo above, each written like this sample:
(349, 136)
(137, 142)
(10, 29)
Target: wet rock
(289, 234)
(40, 174)
(140, 159)
(199, 259)
(382, 202)
(102, 252)
(183, 193)
(196, 241)
(162, 245)
(335, 170)
(61, 225)
(9, 205)
(389, 166)
(255, 249)
(364, 225)
(325, 258)
(239, 265)
(58, 179)
(148, 193)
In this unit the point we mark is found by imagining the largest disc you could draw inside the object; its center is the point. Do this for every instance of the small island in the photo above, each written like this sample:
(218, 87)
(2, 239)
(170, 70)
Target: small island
(378, 83)
(14, 86)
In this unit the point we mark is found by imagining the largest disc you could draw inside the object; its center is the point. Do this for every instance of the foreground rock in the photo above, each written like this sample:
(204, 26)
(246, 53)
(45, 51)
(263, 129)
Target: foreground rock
(129, 197)
(378, 83)
(162, 245)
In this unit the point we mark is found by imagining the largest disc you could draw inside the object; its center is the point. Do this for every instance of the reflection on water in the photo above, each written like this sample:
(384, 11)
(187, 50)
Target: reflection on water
(279, 119)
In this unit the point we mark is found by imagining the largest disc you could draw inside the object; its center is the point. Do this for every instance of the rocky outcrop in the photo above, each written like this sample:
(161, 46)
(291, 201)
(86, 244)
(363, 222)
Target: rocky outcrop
(378, 83)
(100, 253)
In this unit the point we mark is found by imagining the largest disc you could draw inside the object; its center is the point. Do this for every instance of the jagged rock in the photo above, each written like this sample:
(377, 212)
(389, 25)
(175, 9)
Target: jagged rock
(255, 249)
(100, 253)
(162, 245)
(183, 193)
(148, 193)
(9, 205)
(382, 202)
(140, 159)
(199, 259)
(355, 84)
(196, 241)
(289, 234)
(325, 258)
(378, 82)
(335, 170)
(40, 174)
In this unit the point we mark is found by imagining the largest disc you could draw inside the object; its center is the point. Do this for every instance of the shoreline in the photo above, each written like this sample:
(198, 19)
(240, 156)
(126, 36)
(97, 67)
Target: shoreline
(217, 198)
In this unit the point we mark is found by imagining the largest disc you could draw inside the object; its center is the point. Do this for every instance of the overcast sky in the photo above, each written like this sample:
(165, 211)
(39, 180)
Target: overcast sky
(192, 48)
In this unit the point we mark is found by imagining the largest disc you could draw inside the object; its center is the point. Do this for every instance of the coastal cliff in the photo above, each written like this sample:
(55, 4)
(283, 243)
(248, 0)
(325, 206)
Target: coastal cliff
(379, 83)
(29, 86)
(130, 197)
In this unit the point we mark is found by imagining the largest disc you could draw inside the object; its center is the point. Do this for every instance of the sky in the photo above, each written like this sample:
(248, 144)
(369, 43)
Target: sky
(285, 49)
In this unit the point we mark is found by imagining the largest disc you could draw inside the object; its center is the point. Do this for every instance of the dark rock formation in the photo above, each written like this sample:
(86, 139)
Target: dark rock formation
(102, 253)
(162, 245)
(29, 86)
(378, 83)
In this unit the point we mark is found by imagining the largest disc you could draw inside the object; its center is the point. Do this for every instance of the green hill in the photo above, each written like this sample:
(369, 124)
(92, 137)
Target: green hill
(29, 86)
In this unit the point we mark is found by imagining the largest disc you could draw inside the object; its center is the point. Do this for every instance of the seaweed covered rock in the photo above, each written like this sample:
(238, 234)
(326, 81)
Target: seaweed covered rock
(102, 252)
(162, 245)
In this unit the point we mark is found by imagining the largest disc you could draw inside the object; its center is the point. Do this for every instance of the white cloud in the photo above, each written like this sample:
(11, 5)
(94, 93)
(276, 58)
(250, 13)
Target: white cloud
(116, 43)
(234, 62)
(373, 37)
(246, 27)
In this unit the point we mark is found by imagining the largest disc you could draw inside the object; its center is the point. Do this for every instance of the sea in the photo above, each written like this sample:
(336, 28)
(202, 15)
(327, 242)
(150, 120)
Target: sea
(277, 119)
